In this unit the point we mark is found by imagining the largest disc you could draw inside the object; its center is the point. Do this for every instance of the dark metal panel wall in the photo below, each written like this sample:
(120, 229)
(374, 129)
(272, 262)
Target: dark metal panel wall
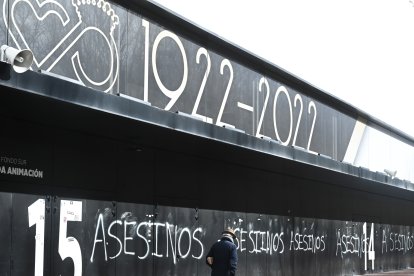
(5, 230)
(78, 164)
(89, 237)
(216, 221)
(134, 221)
(81, 164)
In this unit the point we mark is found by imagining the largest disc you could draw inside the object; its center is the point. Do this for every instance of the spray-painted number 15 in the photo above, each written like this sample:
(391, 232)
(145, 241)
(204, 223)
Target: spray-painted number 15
(68, 246)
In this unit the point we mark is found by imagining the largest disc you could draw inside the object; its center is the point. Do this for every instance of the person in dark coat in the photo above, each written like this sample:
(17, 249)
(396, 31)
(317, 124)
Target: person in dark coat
(222, 257)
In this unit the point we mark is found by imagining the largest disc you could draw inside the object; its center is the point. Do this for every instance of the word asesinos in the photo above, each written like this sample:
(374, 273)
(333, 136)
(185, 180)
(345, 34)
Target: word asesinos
(303, 242)
(180, 243)
(397, 242)
(353, 243)
(261, 241)
(357, 244)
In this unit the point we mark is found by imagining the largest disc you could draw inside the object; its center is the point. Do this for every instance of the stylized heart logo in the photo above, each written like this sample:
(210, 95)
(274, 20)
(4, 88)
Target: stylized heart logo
(31, 22)
(81, 22)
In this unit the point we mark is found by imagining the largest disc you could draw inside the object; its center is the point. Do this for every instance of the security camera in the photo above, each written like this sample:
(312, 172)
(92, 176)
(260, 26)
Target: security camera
(390, 173)
(21, 60)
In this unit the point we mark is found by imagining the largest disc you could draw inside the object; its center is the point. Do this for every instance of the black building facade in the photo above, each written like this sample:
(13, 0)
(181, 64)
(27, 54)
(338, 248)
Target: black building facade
(137, 137)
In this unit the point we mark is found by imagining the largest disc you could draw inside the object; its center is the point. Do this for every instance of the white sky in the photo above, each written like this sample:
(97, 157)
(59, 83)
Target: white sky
(361, 51)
